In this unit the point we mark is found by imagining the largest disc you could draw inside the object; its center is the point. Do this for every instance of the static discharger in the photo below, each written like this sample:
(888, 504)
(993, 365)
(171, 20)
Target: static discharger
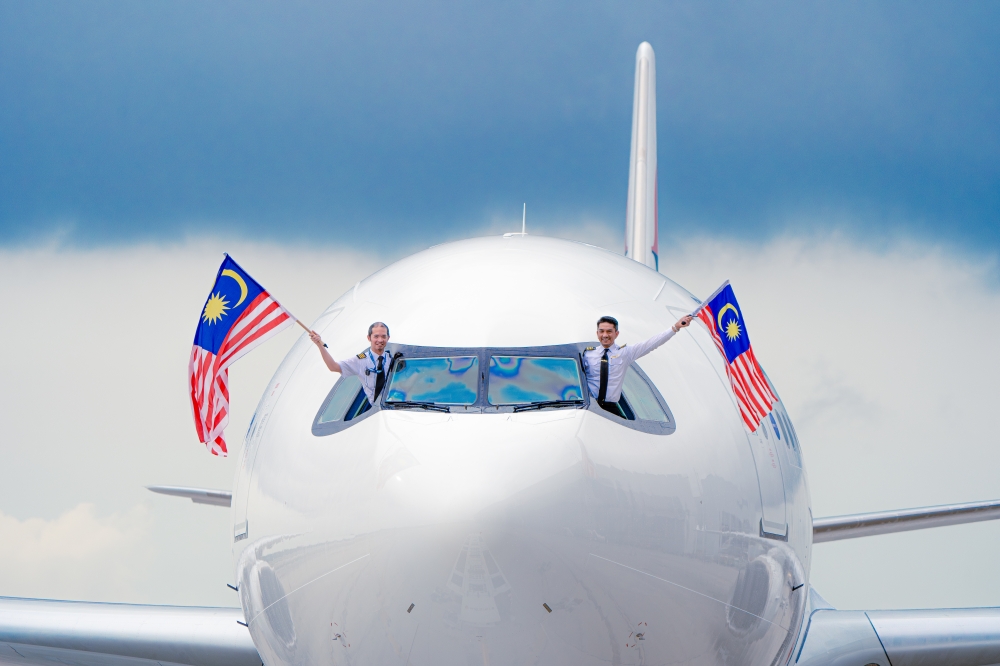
(410, 608)
(546, 607)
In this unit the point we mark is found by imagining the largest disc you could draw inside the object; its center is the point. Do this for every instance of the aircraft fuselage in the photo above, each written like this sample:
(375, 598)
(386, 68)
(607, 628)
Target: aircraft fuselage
(486, 535)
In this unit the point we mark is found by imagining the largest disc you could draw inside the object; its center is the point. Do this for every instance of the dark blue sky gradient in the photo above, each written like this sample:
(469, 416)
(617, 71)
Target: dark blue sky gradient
(124, 121)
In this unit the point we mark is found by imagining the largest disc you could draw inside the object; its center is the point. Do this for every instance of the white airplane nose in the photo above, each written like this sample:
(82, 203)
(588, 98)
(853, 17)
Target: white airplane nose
(444, 501)
(504, 544)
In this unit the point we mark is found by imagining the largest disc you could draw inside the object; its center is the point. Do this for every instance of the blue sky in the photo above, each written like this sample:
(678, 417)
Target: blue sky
(398, 123)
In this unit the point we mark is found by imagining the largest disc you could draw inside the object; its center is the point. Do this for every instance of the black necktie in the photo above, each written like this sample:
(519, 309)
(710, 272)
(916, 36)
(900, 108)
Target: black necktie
(603, 392)
(379, 378)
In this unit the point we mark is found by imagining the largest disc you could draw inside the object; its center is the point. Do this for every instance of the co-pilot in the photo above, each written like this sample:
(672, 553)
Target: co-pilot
(370, 366)
(606, 365)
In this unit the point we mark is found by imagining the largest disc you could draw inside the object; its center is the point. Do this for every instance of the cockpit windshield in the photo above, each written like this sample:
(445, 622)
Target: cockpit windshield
(521, 380)
(492, 380)
(446, 380)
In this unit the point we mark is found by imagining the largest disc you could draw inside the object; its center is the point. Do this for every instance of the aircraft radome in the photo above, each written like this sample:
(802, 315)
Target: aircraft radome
(453, 524)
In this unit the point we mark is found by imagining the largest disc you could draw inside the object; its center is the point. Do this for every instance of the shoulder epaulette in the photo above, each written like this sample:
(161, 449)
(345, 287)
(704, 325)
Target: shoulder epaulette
(590, 349)
(361, 355)
(622, 346)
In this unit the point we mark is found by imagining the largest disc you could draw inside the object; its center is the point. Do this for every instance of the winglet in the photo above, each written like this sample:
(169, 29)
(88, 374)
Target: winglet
(641, 226)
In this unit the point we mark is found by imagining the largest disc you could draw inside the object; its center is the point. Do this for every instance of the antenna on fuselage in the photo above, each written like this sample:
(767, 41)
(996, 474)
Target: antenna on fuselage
(524, 225)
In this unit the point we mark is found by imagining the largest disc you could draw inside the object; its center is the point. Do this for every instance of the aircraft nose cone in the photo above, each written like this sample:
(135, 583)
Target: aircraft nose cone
(419, 533)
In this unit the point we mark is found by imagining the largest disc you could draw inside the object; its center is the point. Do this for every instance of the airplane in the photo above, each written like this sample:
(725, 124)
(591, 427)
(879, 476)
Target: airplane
(487, 511)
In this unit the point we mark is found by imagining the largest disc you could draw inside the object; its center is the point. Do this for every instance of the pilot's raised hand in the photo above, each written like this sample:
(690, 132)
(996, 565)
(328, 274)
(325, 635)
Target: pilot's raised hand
(318, 341)
(683, 322)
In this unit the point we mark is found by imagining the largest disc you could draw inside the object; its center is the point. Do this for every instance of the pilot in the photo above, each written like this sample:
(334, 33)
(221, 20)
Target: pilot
(370, 366)
(606, 365)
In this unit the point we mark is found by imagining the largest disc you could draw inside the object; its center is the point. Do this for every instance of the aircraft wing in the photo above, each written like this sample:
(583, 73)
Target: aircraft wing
(196, 495)
(70, 633)
(945, 637)
(902, 520)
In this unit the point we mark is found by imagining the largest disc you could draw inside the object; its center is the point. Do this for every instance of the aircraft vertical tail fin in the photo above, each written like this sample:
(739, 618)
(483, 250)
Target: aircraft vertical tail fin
(641, 232)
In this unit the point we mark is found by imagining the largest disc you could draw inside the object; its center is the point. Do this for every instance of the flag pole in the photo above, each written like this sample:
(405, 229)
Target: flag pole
(308, 330)
(709, 299)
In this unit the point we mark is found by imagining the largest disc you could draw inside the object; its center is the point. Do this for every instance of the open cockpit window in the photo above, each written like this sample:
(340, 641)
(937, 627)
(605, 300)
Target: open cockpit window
(345, 403)
(642, 406)
(492, 381)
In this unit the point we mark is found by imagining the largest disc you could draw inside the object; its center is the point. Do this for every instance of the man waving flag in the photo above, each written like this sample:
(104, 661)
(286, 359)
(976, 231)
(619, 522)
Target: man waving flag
(724, 319)
(238, 315)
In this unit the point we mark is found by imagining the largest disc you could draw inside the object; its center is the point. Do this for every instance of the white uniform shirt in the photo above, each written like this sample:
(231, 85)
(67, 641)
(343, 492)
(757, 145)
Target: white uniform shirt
(366, 361)
(619, 358)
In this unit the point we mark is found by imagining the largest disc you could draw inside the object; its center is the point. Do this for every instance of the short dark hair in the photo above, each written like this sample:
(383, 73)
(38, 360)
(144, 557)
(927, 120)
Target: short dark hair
(378, 323)
(605, 320)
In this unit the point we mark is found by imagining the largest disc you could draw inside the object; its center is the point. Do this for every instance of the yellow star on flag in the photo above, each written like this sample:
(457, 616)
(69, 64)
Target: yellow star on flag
(215, 308)
(732, 330)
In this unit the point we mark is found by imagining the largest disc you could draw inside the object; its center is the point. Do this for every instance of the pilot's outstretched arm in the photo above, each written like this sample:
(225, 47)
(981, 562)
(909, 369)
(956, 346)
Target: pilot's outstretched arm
(640, 349)
(330, 363)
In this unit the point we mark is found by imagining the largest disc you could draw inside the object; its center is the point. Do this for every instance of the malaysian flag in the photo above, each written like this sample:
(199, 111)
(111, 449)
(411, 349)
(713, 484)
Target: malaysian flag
(724, 319)
(238, 315)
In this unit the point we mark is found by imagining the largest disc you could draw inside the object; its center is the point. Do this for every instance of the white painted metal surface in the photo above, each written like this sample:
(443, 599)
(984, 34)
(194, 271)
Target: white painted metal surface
(641, 226)
(618, 532)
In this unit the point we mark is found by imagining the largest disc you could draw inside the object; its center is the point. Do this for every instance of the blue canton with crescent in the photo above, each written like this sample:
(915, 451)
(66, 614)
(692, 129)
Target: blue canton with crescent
(233, 292)
(728, 321)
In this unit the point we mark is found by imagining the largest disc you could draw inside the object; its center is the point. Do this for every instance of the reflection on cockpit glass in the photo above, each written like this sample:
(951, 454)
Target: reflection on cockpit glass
(448, 380)
(519, 380)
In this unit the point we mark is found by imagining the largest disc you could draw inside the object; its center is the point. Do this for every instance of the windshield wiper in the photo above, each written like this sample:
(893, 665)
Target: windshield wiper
(548, 403)
(412, 404)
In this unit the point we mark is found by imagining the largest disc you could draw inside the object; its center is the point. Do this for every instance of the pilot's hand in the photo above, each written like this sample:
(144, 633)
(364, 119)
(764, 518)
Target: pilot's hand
(314, 336)
(683, 322)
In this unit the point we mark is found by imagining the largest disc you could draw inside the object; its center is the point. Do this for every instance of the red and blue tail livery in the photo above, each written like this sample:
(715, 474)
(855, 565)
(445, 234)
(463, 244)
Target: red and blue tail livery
(238, 315)
(724, 319)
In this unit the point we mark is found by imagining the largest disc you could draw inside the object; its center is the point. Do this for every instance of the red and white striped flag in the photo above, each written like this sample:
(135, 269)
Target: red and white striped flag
(238, 315)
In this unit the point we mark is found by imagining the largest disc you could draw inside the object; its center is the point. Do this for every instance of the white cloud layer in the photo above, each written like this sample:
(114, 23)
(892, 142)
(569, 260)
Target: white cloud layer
(883, 357)
(58, 557)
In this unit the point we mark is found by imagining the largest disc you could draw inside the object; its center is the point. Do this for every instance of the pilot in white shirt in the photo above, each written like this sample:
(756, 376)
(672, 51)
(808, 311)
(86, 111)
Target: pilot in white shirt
(370, 366)
(606, 364)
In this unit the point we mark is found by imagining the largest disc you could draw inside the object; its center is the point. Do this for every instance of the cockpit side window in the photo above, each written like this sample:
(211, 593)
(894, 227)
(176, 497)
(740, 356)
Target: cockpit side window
(641, 407)
(345, 403)
(641, 398)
